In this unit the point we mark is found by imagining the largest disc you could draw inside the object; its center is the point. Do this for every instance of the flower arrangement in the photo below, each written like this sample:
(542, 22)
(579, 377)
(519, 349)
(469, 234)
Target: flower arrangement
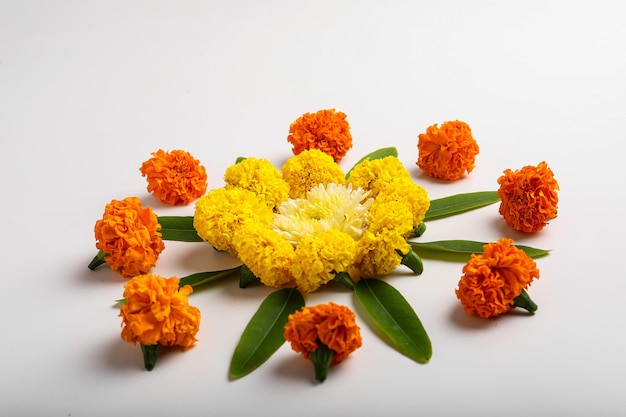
(308, 224)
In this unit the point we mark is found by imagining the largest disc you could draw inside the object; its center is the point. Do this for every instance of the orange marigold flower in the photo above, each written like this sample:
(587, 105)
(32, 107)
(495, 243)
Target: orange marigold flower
(174, 177)
(492, 280)
(129, 236)
(157, 311)
(331, 324)
(325, 130)
(448, 151)
(528, 197)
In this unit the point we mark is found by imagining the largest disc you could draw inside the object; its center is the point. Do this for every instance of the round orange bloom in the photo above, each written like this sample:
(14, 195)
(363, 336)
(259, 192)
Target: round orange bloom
(325, 130)
(331, 324)
(448, 151)
(129, 235)
(492, 280)
(174, 177)
(157, 312)
(528, 197)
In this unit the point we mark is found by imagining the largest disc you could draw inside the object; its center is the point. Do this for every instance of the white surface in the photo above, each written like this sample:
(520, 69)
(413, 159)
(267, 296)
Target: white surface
(89, 89)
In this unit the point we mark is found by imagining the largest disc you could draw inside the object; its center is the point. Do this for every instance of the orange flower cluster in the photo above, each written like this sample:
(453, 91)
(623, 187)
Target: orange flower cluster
(157, 312)
(528, 197)
(448, 151)
(331, 324)
(174, 177)
(325, 130)
(129, 236)
(492, 280)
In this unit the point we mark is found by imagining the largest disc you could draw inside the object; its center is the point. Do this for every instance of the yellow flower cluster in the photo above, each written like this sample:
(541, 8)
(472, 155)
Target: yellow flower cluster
(303, 224)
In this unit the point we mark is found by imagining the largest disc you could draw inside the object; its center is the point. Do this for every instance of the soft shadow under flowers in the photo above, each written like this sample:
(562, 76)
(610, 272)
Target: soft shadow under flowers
(461, 319)
(118, 356)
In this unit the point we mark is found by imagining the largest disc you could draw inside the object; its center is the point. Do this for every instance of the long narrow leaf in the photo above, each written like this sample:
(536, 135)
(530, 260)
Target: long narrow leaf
(200, 278)
(395, 318)
(466, 247)
(264, 334)
(178, 228)
(377, 154)
(459, 203)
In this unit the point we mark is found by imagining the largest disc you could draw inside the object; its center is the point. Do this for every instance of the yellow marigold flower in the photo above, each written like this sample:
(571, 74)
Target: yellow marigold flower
(388, 180)
(319, 258)
(174, 177)
(157, 312)
(377, 253)
(448, 151)
(260, 177)
(309, 169)
(266, 253)
(333, 206)
(492, 280)
(528, 197)
(325, 130)
(129, 235)
(220, 212)
(329, 327)
(374, 174)
(391, 215)
(405, 191)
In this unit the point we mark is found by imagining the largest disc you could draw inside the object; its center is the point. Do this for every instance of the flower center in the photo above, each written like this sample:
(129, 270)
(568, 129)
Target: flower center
(331, 206)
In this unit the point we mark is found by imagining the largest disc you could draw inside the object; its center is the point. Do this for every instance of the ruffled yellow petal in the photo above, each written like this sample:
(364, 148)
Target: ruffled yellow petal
(260, 177)
(266, 253)
(221, 212)
(319, 258)
(309, 169)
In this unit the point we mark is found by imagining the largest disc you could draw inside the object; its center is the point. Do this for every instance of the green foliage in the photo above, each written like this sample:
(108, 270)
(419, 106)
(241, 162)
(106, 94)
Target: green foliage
(178, 228)
(264, 334)
(459, 203)
(395, 317)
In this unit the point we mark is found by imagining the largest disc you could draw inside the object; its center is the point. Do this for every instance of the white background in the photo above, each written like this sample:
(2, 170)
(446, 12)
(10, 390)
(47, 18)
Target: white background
(88, 89)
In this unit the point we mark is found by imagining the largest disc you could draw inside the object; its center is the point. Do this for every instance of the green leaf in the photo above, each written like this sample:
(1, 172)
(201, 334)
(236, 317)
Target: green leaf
(264, 334)
(377, 154)
(178, 228)
(395, 318)
(459, 203)
(465, 247)
(200, 278)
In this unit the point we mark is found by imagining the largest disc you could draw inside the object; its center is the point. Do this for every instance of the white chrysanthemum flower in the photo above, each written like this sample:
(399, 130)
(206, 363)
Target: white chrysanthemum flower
(331, 206)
